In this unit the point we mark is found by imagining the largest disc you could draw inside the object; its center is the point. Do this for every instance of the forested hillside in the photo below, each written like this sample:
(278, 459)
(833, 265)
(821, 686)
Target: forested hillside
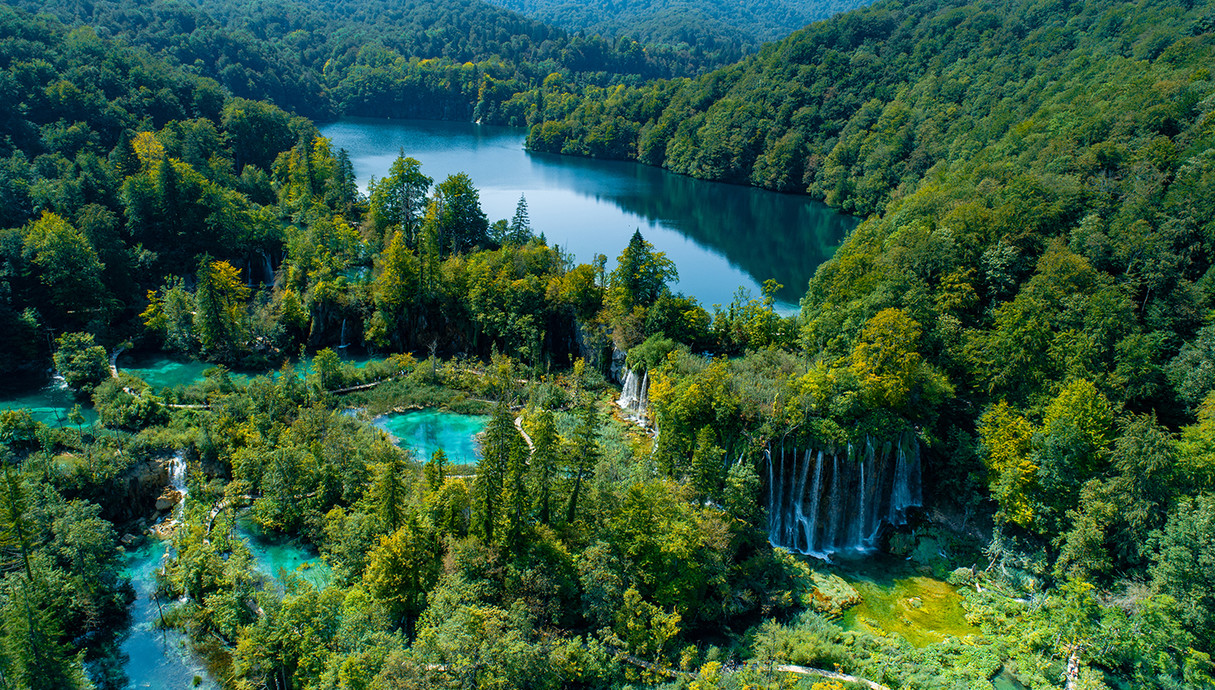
(725, 29)
(1018, 339)
(441, 59)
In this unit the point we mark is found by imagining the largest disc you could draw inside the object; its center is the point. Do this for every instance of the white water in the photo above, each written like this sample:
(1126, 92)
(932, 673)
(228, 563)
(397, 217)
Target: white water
(849, 499)
(177, 480)
(634, 396)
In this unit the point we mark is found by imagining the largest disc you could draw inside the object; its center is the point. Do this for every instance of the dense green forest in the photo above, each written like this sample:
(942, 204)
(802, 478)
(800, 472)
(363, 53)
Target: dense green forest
(1027, 307)
(439, 59)
(718, 28)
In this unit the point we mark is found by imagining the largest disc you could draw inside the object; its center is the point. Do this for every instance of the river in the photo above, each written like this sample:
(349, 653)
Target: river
(720, 236)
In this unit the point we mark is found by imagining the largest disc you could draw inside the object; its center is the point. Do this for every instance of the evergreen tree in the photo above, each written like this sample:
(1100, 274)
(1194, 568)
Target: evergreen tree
(706, 464)
(520, 230)
(544, 463)
(389, 492)
(435, 470)
(496, 448)
(585, 454)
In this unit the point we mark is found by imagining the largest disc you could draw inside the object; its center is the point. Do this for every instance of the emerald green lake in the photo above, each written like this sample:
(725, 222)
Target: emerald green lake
(720, 236)
(49, 404)
(162, 659)
(425, 431)
(897, 597)
(156, 658)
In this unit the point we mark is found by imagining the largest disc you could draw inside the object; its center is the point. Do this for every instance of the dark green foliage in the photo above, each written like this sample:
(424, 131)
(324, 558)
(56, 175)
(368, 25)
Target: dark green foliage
(724, 30)
(1185, 551)
(80, 362)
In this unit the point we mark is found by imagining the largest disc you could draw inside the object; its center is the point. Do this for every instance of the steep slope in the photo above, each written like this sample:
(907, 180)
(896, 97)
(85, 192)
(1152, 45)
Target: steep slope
(721, 29)
(436, 59)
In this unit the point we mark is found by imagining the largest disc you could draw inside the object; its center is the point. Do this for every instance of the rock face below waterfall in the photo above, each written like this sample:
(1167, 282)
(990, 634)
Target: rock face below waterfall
(168, 498)
(820, 502)
(136, 490)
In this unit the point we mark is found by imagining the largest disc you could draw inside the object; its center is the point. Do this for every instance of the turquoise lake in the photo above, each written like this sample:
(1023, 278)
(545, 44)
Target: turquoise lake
(425, 431)
(720, 236)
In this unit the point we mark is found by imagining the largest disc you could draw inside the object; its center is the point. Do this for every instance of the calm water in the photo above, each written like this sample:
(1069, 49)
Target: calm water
(425, 431)
(157, 658)
(168, 371)
(720, 236)
(162, 659)
(50, 404)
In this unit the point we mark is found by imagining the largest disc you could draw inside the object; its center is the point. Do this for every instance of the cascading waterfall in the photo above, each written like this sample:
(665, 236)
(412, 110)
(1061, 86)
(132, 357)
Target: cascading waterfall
(177, 480)
(634, 395)
(342, 340)
(848, 499)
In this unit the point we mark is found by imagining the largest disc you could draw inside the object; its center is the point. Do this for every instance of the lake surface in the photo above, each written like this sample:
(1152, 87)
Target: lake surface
(156, 658)
(425, 431)
(51, 404)
(162, 659)
(720, 236)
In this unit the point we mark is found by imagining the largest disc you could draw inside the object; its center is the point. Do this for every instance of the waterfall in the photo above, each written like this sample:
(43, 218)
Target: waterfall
(342, 344)
(177, 480)
(634, 396)
(816, 507)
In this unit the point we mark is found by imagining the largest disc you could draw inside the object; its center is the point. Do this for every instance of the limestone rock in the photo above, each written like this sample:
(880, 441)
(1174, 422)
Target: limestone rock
(831, 594)
(168, 498)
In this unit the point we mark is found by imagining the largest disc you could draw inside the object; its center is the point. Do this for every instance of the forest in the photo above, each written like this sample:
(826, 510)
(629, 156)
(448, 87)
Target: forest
(438, 59)
(717, 28)
(1015, 344)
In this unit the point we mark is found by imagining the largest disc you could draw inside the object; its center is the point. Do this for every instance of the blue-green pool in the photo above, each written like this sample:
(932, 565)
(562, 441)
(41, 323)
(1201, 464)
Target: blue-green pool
(425, 431)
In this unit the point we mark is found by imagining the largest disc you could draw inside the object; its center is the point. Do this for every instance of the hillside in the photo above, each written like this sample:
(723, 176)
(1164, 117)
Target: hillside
(983, 453)
(726, 29)
(440, 59)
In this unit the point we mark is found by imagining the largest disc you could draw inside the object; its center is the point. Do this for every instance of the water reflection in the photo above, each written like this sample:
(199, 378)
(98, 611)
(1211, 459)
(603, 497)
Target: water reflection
(720, 236)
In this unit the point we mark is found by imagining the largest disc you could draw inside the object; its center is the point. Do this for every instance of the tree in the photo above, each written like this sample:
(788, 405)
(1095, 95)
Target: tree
(1184, 562)
(891, 371)
(68, 268)
(435, 470)
(397, 287)
(496, 448)
(388, 493)
(35, 655)
(1006, 444)
(645, 629)
(520, 229)
(585, 452)
(706, 464)
(398, 201)
(455, 212)
(741, 495)
(170, 312)
(403, 567)
(220, 301)
(328, 368)
(14, 506)
(81, 362)
(544, 463)
(640, 276)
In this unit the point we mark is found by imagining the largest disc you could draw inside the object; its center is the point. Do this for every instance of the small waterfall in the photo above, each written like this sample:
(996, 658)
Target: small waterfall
(818, 507)
(174, 495)
(634, 396)
(342, 344)
(177, 480)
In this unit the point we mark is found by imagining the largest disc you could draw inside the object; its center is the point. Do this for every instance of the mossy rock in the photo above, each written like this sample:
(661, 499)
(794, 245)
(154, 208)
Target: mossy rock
(831, 594)
(926, 551)
(901, 544)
